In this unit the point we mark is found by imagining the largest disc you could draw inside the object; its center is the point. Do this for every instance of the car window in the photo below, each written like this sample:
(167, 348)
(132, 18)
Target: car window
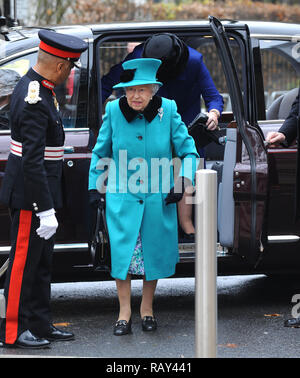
(280, 60)
(113, 52)
(206, 46)
(67, 93)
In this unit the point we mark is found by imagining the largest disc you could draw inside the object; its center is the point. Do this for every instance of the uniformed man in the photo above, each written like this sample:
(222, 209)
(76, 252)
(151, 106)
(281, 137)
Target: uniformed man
(32, 189)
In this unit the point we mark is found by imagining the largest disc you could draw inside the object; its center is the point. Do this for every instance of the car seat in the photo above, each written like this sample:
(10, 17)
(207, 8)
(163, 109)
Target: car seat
(281, 107)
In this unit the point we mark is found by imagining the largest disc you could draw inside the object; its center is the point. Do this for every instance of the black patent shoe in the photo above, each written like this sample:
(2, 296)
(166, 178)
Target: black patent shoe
(55, 334)
(122, 327)
(29, 341)
(149, 323)
(293, 322)
(187, 238)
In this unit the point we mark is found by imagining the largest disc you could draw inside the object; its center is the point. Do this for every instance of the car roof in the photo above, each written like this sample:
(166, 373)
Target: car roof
(273, 28)
(29, 36)
(24, 32)
(255, 27)
(23, 38)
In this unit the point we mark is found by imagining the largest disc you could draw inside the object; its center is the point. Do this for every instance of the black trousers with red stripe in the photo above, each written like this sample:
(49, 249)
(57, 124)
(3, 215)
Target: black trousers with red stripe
(28, 279)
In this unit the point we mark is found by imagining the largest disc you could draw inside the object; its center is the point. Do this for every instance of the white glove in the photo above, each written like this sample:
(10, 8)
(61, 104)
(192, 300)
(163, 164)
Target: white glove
(48, 224)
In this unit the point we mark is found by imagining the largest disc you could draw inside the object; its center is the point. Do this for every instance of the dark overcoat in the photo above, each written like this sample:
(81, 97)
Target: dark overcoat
(291, 130)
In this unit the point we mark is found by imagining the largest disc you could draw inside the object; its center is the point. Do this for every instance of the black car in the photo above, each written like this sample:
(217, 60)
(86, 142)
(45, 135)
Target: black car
(255, 66)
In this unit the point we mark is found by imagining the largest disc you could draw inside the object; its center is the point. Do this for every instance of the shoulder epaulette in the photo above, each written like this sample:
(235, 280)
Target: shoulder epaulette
(33, 93)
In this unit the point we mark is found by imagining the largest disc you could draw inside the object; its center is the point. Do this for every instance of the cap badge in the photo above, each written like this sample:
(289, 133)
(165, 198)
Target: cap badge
(33, 93)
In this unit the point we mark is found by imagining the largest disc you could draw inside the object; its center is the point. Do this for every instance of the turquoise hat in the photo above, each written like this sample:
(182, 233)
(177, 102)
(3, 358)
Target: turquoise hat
(139, 72)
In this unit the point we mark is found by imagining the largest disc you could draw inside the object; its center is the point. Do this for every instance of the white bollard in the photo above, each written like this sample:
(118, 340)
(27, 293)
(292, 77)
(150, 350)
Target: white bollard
(206, 264)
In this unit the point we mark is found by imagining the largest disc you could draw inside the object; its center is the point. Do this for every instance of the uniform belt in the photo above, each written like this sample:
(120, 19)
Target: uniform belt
(51, 153)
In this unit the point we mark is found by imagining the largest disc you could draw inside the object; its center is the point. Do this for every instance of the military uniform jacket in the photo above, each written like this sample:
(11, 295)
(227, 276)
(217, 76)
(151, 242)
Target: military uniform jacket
(32, 179)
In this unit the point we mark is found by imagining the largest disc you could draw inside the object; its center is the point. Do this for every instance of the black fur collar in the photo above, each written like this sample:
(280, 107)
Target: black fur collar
(149, 113)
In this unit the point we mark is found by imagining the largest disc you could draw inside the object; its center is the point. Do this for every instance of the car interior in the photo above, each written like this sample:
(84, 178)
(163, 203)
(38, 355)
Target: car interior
(280, 75)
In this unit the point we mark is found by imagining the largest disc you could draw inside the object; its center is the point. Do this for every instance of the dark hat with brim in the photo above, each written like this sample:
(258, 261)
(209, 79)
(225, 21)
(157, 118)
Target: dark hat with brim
(62, 45)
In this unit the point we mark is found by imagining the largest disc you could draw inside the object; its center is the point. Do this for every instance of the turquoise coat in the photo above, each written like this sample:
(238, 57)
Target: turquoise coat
(139, 151)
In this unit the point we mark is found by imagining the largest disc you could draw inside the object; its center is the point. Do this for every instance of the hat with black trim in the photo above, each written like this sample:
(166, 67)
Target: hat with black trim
(139, 71)
(61, 45)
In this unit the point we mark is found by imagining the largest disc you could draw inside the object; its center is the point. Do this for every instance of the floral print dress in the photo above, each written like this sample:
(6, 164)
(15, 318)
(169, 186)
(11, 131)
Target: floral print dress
(137, 260)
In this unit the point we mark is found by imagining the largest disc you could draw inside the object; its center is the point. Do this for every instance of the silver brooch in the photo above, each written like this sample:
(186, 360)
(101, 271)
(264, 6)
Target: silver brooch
(160, 113)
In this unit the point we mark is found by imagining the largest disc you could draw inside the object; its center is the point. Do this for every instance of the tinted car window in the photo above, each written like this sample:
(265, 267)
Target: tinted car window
(206, 46)
(113, 52)
(281, 69)
(67, 93)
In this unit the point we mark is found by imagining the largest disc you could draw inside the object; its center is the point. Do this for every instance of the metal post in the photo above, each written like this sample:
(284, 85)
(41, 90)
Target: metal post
(206, 264)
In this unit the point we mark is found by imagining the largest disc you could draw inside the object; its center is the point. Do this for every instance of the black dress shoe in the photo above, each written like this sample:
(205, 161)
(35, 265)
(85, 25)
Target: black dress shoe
(293, 322)
(149, 323)
(28, 341)
(122, 327)
(187, 238)
(55, 334)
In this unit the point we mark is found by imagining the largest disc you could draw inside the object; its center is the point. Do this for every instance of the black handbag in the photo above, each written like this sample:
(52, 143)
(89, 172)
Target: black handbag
(99, 245)
(201, 135)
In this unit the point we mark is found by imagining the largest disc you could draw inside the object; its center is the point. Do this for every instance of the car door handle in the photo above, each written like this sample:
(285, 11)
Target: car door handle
(68, 149)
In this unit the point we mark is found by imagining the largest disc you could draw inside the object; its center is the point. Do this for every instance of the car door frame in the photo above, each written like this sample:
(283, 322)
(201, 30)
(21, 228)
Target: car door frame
(245, 112)
(282, 159)
(250, 183)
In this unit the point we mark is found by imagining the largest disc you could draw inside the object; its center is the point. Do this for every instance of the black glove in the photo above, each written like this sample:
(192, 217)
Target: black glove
(96, 199)
(176, 193)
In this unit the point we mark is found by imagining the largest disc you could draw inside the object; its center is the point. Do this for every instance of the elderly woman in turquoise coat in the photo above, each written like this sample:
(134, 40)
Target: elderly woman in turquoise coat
(132, 167)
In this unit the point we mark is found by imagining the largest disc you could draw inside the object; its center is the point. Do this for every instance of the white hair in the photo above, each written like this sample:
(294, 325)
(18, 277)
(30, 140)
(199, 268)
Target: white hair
(155, 88)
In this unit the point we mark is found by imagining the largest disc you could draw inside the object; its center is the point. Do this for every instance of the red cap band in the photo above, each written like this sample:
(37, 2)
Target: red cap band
(58, 52)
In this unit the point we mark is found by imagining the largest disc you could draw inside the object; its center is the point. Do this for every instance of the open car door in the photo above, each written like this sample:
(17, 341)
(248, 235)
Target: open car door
(242, 193)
